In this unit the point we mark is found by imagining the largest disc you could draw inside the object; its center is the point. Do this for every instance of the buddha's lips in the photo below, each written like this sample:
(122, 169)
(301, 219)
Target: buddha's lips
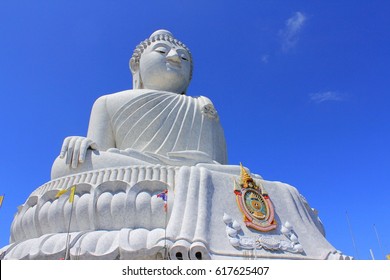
(173, 64)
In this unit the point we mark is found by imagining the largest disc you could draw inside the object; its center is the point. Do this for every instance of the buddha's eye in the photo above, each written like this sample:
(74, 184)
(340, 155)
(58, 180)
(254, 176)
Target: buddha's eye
(161, 50)
(184, 57)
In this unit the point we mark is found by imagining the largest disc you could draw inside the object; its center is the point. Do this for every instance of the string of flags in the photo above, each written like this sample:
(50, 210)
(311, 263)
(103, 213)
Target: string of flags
(1, 199)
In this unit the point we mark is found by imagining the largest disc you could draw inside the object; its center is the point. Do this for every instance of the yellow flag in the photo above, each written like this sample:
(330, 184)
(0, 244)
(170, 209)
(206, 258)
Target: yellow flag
(72, 191)
(1, 199)
(71, 197)
(388, 256)
(60, 192)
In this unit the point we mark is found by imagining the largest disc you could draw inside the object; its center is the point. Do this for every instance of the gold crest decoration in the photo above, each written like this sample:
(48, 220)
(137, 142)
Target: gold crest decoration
(254, 203)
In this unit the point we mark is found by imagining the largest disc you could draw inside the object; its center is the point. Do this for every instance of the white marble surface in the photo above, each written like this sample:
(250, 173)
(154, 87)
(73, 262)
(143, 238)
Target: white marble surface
(119, 216)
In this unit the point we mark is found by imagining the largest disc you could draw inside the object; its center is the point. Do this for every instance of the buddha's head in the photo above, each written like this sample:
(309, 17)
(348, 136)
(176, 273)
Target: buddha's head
(161, 62)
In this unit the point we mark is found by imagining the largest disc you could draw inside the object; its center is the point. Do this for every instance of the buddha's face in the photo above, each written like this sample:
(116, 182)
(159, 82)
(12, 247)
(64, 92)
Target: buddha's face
(165, 66)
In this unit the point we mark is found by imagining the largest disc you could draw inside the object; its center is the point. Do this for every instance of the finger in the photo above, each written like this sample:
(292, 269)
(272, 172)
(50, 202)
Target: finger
(69, 154)
(83, 148)
(76, 152)
(93, 145)
(64, 147)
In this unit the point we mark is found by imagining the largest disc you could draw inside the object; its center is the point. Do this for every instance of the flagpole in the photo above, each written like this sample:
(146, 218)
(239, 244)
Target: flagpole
(164, 196)
(165, 235)
(379, 242)
(372, 254)
(67, 249)
(353, 238)
(166, 224)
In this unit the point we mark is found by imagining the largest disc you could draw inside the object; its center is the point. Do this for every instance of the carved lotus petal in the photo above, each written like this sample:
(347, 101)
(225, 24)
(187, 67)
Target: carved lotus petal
(293, 238)
(226, 218)
(288, 225)
(231, 231)
(285, 230)
(298, 248)
(236, 226)
(234, 241)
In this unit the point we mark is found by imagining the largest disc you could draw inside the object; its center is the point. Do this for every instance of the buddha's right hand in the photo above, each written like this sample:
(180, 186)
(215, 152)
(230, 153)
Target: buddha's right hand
(75, 148)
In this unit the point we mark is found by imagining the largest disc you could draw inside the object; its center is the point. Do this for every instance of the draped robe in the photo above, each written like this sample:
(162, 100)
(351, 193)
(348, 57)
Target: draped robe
(155, 122)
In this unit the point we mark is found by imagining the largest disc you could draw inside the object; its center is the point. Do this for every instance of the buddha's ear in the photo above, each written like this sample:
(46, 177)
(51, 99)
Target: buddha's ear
(134, 67)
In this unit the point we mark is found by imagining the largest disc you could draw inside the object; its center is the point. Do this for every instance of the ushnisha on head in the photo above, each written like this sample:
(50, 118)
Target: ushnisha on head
(161, 62)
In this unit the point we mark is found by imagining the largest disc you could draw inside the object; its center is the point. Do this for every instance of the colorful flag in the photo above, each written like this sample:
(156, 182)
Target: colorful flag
(71, 197)
(72, 191)
(164, 196)
(1, 199)
(60, 192)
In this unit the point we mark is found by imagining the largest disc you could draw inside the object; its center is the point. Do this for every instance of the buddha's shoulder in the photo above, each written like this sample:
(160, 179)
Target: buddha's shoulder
(204, 99)
(118, 98)
(115, 100)
(123, 95)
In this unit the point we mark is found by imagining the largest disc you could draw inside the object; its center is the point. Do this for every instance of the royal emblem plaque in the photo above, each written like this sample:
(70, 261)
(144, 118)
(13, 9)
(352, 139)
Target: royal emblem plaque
(254, 203)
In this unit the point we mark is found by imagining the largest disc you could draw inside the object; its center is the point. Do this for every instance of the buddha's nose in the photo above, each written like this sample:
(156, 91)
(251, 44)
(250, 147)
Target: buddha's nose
(173, 56)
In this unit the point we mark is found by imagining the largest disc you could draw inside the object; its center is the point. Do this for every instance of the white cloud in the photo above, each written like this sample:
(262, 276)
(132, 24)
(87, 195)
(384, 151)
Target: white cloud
(290, 33)
(320, 97)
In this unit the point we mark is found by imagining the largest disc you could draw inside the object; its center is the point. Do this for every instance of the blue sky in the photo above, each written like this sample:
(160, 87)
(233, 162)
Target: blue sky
(302, 90)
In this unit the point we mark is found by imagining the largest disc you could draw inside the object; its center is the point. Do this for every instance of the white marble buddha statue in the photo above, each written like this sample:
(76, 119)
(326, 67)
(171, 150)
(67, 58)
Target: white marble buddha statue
(153, 123)
(151, 140)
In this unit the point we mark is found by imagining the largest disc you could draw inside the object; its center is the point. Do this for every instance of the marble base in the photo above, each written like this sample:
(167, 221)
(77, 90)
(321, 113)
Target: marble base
(117, 214)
